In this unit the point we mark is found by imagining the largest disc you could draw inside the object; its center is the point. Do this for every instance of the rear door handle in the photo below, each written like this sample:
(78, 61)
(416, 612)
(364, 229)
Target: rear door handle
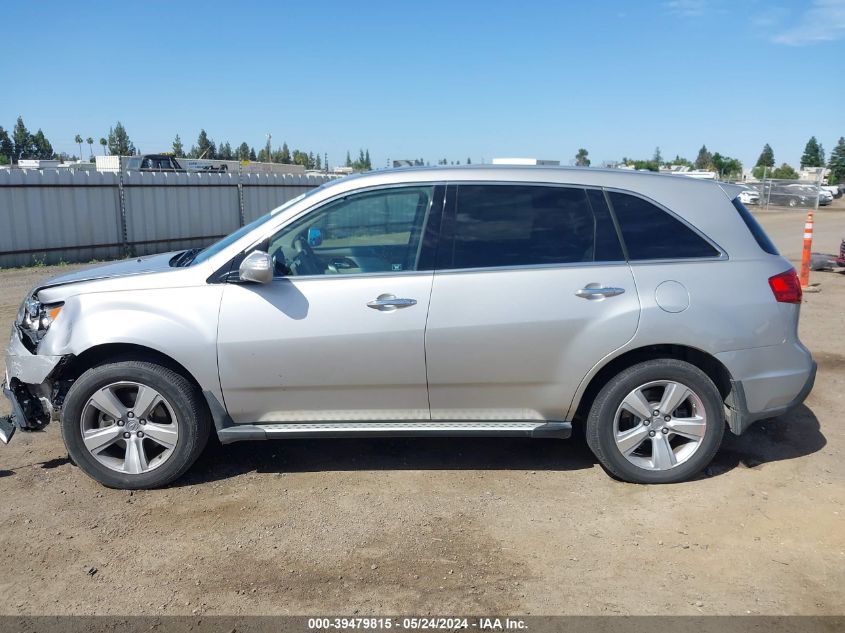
(389, 302)
(594, 292)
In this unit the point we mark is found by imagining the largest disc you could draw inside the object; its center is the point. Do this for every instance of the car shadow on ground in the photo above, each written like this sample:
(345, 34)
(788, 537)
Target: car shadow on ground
(791, 436)
(423, 453)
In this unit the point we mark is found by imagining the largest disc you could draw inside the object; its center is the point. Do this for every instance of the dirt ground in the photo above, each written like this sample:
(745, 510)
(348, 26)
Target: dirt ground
(446, 526)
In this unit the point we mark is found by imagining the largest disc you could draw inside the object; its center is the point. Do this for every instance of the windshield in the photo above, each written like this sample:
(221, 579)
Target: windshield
(230, 239)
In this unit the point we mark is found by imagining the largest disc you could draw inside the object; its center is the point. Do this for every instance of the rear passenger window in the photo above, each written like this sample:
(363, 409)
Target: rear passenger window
(651, 233)
(523, 225)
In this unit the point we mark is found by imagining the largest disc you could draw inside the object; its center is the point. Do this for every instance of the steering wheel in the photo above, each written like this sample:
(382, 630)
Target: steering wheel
(305, 262)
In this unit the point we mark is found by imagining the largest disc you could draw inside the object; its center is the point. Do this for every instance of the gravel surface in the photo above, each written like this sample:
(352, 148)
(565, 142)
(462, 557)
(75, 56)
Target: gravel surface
(446, 525)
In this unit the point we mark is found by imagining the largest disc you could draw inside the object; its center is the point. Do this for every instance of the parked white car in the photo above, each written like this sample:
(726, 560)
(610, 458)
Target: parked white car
(749, 196)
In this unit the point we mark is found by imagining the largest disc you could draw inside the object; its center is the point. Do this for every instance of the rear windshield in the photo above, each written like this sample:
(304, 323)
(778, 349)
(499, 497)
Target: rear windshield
(755, 228)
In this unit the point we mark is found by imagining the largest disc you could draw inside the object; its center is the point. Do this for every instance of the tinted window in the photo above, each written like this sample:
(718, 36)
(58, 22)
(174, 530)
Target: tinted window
(608, 248)
(755, 228)
(521, 225)
(651, 233)
(377, 231)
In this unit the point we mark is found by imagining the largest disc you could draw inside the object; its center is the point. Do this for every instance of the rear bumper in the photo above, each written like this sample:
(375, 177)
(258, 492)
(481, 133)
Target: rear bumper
(767, 382)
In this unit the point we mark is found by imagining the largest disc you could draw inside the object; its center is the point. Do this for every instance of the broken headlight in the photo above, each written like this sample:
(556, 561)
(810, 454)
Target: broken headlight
(35, 318)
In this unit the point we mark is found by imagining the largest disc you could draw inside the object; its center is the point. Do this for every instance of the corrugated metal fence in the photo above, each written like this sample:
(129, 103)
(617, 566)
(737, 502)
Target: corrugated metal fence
(77, 216)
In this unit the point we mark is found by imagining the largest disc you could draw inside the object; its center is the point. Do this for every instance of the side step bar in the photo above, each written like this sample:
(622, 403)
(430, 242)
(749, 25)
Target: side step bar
(242, 432)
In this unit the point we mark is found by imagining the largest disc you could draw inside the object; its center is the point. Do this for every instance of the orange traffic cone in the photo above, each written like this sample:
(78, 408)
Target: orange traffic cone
(805, 256)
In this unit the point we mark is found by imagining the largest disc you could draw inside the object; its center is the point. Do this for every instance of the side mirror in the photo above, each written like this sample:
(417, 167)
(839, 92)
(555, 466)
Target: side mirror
(257, 267)
(315, 236)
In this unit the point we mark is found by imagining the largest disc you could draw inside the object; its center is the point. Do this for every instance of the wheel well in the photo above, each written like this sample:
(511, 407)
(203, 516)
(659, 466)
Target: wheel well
(75, 366)
(715, 370)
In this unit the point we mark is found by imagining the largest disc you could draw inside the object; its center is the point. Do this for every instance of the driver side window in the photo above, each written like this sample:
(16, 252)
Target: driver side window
(372, 232)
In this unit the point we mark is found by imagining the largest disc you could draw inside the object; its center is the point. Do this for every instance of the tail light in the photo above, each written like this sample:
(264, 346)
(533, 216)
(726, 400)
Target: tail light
(786, 287)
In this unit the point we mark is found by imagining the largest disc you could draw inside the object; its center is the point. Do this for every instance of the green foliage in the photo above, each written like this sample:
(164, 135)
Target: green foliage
(704, 160)
(118, 141)
(658, 157)
(363, 163)
(581, 159)
(243, 151)
(252, 153)
(204, 148)
(683, 162)
(641, 165)
(105, 145)
(837, 163)
(726, 166)
(285, 156)
(178, 148)
(813, 154)
(42, 146)
(767, 157)
(348, 159)
(90, 143)
(7, 148)
(225, 152)
(24, 145)
(784, 172)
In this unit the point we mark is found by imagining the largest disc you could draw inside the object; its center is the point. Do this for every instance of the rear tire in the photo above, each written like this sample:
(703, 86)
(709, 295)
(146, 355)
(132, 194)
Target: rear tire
(660, 421)
(120, 449)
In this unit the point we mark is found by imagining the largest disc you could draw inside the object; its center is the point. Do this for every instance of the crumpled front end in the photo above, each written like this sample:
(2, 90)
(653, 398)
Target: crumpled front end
(28, 388)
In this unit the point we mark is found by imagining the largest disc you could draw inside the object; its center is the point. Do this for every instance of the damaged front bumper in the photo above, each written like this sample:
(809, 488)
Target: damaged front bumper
(28, 388)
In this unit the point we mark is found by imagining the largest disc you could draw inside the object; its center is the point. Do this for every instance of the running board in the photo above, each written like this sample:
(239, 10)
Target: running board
(293, 430)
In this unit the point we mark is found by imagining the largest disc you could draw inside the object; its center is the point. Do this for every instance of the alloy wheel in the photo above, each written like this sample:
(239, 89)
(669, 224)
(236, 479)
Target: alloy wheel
(129, 427)
(660, 425)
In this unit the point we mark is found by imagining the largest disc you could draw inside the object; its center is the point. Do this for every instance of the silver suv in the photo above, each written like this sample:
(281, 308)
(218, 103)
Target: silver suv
(651, 310)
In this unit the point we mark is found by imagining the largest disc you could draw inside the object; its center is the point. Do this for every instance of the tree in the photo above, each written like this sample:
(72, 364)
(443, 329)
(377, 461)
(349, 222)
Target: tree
(285, 155)
(24, 146)
(78, 140)
(683, 162)
(658, 157)
(367, 162)
(7, 148)
(105, 144)
(252, 154)
(42, 147)
(785, 172)
(119, 143)
(726, 166)
(837, 163)
(704, 160)
(348, 159)
(90, 142)
(178, 148)
(243, 151)
(581, 159)
(225, 152)
(813, 154)
(469, 161)
(204, 148)
(767, 157)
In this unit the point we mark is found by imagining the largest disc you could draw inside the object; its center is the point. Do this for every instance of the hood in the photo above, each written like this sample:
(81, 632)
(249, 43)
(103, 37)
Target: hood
(124, 268)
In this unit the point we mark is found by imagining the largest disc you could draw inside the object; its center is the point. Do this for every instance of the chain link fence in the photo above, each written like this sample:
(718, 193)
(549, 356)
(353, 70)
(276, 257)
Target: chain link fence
(778, 194)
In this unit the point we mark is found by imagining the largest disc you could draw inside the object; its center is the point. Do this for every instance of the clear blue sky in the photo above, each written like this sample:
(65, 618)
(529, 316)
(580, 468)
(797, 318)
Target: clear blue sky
(433, 79)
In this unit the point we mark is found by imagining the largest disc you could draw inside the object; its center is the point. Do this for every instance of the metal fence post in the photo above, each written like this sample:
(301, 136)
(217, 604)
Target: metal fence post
(124, 235)
(240, 193)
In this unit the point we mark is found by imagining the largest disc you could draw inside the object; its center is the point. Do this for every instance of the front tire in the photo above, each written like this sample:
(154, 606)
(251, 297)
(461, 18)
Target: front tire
(134, 424)
(660, 421)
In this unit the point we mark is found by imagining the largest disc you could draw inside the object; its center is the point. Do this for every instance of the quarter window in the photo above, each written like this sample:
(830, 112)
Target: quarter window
(523, 225)
(651, 233)
(377, 231)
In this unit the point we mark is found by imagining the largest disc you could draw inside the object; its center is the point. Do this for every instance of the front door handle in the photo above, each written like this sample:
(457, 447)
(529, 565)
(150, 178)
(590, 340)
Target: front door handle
(595, 292)
(390, 302)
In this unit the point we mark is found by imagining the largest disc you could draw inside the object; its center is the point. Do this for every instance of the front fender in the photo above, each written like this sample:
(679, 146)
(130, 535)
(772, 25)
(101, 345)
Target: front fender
(178, 322)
